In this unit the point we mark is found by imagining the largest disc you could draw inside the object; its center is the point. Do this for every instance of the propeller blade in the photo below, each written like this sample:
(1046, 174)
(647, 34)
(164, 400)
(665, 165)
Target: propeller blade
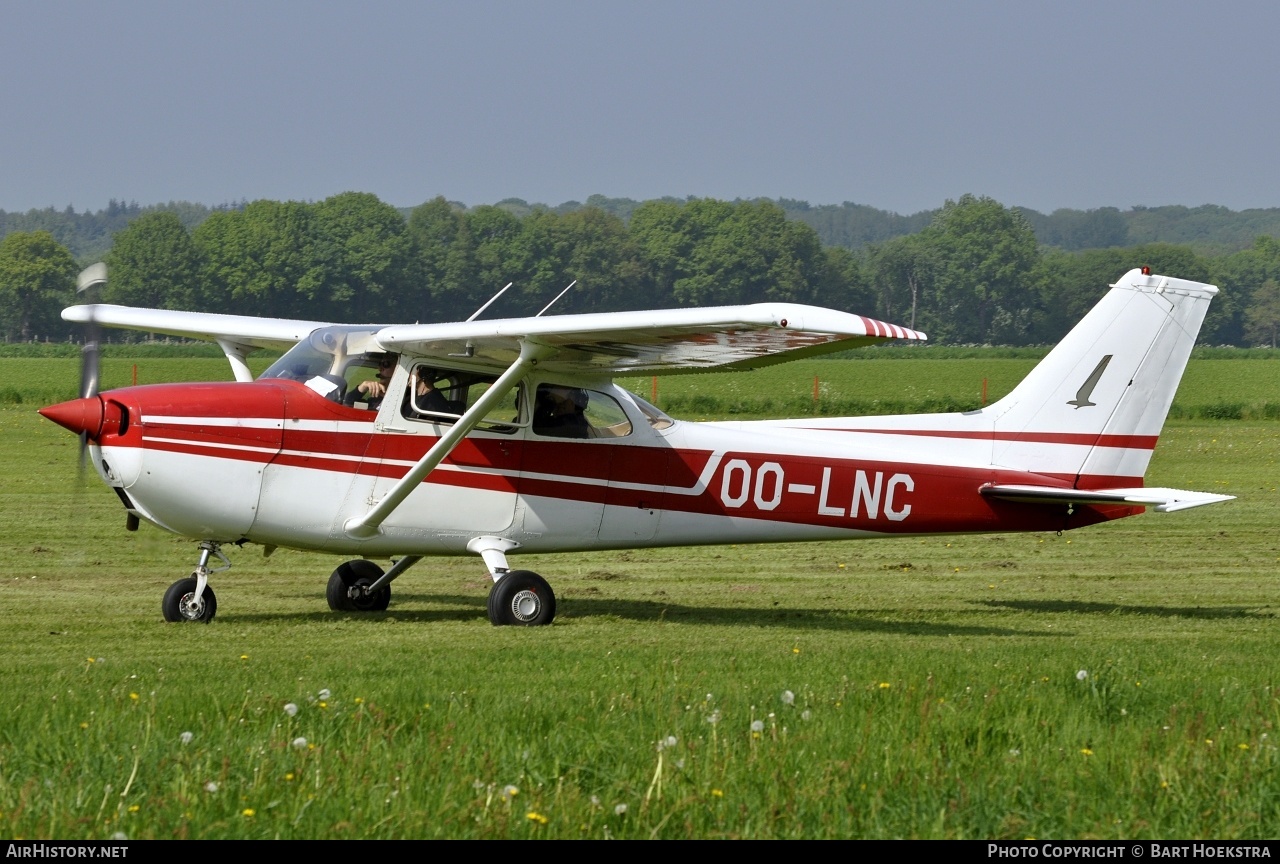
(91, 277)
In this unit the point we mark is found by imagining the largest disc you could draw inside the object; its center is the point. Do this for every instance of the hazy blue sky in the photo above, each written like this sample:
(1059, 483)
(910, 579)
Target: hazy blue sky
(899, 105)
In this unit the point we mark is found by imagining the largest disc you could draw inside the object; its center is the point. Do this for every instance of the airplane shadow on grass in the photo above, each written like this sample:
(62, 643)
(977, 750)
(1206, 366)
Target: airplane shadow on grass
(471, 607)
(1082, 607)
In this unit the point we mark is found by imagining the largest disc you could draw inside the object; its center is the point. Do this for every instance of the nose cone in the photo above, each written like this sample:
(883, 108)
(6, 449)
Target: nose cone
(81, 416)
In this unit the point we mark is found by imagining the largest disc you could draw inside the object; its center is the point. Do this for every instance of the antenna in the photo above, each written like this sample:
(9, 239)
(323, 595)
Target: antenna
(476, 314)
(558, 296)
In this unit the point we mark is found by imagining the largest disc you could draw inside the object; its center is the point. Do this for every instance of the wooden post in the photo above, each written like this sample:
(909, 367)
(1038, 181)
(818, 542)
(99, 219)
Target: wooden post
(653, 392)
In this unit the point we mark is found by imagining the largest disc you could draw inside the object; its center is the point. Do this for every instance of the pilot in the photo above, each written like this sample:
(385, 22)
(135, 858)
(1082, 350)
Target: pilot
(559, 412)
(372, 391)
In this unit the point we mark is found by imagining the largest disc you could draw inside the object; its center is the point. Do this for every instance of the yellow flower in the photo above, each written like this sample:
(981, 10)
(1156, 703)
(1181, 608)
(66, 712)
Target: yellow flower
(289, 777)
(244, 656)
(533, 816)
(134, 808)
(133, 696)
(247, 812)
(717, 793)
(1086, 751)
(1243, 746)
(84, 725)
(359, 700)
(795, 650)
(885, 685)
(324, 704)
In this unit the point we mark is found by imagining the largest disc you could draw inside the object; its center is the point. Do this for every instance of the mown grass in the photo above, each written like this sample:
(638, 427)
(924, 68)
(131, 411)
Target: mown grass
(921, 687)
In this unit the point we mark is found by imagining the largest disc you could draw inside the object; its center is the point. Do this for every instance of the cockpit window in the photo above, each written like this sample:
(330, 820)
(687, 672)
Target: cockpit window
(325, 360)
(444, 395)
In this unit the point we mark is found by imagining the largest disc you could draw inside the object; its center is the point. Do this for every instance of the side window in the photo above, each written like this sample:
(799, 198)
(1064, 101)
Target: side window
(572, 412)
(442, 396)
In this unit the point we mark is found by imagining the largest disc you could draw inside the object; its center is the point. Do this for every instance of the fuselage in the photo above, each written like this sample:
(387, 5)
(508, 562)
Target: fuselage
(273, 462)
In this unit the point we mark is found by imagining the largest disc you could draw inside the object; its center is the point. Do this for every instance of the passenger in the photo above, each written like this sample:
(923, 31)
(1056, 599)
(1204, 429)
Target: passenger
(559, 412)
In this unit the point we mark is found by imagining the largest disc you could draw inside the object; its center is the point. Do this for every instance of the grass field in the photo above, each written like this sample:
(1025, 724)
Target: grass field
(1114, 682)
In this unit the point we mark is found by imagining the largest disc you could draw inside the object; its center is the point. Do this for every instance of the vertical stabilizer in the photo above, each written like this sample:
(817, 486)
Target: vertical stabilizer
(1095, 405)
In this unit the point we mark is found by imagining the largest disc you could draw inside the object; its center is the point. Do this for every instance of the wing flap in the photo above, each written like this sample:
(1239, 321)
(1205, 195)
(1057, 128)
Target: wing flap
(1162, 499)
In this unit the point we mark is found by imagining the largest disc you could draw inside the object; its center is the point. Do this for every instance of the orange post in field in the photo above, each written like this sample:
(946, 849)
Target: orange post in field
(653, 393)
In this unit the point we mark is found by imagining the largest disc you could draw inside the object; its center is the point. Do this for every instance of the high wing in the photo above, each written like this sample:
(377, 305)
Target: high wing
(208, 326)
(667, 341)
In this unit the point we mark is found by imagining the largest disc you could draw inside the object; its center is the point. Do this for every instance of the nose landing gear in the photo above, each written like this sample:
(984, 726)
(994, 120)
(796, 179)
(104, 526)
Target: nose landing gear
(192, 599)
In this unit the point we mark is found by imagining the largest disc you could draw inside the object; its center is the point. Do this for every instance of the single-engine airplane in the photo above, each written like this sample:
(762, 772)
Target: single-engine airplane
(498, 437)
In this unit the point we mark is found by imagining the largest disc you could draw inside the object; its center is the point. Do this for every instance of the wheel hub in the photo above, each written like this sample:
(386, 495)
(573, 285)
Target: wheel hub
(190, 607)
(525, 605)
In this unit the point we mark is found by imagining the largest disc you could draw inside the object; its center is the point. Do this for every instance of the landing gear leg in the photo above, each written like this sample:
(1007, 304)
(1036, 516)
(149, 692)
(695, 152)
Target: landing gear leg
(518, 597)
(192, 599)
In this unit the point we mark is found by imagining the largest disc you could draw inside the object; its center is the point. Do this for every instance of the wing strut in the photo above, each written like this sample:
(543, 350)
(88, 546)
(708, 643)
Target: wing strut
(366, 526)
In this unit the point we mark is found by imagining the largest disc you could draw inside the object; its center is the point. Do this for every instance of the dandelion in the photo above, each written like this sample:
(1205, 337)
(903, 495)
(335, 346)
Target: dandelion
(325, 694)
(534, 816)
(795, 650)
(885, 685)
(248, 812)
(211, 787)
(1082, 674)
(134, 808)
(1243, 746)
(1085, 751)
(788, 698)
(620, 810)
(288, 778)
(133, 697)
(717, 793)
(244, 656)
(359, 700)
(714, 717)
(509, 792)
(84, 725)
(806, 714)
(299, 743)
(186, 737)
(291, 709)
(757, 727)
(595, 800)
(667, 743)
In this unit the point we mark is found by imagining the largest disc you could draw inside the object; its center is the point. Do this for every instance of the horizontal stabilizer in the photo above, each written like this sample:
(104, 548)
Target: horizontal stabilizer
(1164, 500)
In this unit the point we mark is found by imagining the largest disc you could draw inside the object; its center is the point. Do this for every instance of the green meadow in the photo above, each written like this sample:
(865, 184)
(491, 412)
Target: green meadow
(1113, 682)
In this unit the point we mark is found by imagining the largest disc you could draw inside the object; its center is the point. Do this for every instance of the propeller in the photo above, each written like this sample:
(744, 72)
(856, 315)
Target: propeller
(91, 277)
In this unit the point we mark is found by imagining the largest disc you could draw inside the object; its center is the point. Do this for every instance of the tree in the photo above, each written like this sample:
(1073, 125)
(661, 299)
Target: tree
(266, 260)
(369, 260)
(984, 254)
(154, 262)
(1262, 319)
(37, 278)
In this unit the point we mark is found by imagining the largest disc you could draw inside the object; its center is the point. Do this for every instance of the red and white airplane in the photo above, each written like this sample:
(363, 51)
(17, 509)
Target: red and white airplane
(508, 436)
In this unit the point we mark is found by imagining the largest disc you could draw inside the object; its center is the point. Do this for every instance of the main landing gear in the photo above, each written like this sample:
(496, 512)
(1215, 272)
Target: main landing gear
(518, 597)
(192, 599)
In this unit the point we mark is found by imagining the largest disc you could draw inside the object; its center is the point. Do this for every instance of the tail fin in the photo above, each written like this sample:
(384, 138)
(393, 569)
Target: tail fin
(1096, 404)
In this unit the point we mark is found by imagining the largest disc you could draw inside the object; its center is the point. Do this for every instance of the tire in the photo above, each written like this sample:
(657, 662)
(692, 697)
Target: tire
(521, 598)
(353, 573)
(174, 607)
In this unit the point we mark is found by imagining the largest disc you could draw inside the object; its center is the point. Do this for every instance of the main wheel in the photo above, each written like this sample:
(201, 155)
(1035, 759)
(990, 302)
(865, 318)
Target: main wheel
(177, 605)
(355, 574)
(521, 597)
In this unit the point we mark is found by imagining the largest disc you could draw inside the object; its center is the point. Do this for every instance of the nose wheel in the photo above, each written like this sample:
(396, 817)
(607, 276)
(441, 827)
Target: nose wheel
(348, 589)
(192, 599)
(521, 598)
(182, 604)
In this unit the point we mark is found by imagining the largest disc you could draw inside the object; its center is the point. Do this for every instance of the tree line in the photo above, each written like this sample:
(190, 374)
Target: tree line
(974, 273)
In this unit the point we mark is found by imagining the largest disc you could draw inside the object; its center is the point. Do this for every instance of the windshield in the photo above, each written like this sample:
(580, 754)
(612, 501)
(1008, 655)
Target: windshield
(327, 351)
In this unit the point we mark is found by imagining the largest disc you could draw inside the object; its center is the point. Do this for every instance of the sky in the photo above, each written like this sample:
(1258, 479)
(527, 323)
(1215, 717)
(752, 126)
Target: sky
(897, 105)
